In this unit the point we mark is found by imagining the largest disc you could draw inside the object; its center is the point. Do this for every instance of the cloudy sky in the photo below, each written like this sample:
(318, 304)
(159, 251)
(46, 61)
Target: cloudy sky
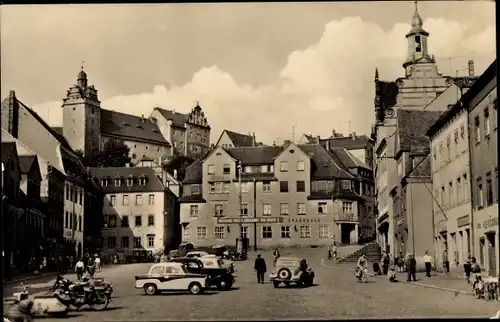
(254, 67)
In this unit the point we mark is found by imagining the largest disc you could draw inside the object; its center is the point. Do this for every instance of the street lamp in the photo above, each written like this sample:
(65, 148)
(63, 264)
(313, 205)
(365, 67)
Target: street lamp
(240, 168)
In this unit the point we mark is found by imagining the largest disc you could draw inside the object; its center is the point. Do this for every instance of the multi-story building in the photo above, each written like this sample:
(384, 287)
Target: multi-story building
(411, 194)
(360, 146)
(230, 139)
(421, 85)
(87, 126)
(189, 133)
(139, 211)
(481, 102)
(290, 195)
(452, 211)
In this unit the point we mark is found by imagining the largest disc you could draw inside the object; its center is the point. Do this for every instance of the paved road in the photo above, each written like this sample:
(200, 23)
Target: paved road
(336, 295)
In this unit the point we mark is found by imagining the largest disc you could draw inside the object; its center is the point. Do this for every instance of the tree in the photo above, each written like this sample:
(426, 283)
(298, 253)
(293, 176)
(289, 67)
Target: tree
(178, 162)
(115, 153)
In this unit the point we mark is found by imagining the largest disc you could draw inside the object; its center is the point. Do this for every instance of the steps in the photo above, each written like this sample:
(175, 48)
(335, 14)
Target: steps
(372, 251)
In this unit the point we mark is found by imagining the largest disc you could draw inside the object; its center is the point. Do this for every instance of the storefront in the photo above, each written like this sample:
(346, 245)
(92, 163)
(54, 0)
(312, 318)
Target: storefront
(486, 239)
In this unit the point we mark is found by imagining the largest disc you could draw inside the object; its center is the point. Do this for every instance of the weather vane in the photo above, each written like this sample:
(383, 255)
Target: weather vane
(83, 63)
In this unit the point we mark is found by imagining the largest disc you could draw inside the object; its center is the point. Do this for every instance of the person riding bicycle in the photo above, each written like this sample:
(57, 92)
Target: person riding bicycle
(276, 255)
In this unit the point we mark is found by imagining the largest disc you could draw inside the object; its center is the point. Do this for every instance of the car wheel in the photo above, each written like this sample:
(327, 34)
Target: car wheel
(150, 289)
(284, 274)
(195, 288)
(276, 284)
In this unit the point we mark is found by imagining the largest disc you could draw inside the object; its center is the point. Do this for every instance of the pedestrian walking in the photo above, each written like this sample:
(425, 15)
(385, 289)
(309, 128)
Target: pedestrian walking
(411, 266)
(467, 269)
(79, 268)
(97, 263)
(401, 262)
(446, 263)
(260, 268)
(385, 263)
(428, 264)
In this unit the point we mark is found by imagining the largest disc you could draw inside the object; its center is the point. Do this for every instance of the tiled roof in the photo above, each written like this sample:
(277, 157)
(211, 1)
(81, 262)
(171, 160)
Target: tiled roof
(255, 155)
(153, 184)
(192, 198)
(349, 143)
(178, 119)
(423, 169)
(465, 82)
(341, 157)
(194, 173)
(240, 140)
(130, 126)
(26, 162)
(412, 126)
(7, 149)
(323, 165)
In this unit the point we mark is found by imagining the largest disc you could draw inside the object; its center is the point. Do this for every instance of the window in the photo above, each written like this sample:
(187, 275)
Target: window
(301, 165)
(283, 166)
(283, 186)
(138, 200)
(104, 182)
(477, 129)
(111, 242)
(486, 122)
(301, 208)
(151, 240)
(142, 181)
(266, 209)
(219, 210)
(244, 232)
(266, 186)
(248, 169)
(195, 189)
(112, 221)
(284, 209)
(441, 197)
(201, 232)
(459, 191)
(495, 115)
(211, 169)
(346, 184)
(264, 168)
(244, 209)
(347, 207)
(125, 242)
(226, 169)
(455, 136)
(80, 223)
(480, 194)
(81, 197)
(465, 187)
(305, 232)
(151, 220)
(112, 200)
(124, 222)
(322, 208)
(324, 231)
(151, 199)
(301, 186)
(125, 200)
(66, 220)
(267, 232)
(450, 193)
(489, 191)
(219, 232)
(138, 221)
(130, 181)
(462, 131)
(285, 232)
(244, 187)
(118, 182)
(137, 242)
(193, 210)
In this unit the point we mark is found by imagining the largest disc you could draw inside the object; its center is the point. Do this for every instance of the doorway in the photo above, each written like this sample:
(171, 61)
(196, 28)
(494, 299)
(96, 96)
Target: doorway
(481, 251)
(492, 258)
(346, 230)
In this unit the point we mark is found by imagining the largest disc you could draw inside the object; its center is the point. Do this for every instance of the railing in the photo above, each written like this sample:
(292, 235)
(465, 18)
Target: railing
(346, 217)
(218, 178)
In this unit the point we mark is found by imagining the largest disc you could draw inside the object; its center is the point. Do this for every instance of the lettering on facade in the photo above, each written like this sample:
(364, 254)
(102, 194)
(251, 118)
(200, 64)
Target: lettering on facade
(488, 223)
(304, 220)
(267, 220)
(463, 221)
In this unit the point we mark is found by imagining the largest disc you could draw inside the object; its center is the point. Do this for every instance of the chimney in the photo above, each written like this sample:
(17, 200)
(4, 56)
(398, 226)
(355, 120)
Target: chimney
(142, 118)
(287, 142)
(175, 174)
(471, 68)
(13, 115)
(318, 138)
(353, 135)
(334, 133)
(253, 139)
(274, 143)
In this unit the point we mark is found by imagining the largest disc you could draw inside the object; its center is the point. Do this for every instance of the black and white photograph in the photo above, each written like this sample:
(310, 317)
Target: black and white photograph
(249, 161)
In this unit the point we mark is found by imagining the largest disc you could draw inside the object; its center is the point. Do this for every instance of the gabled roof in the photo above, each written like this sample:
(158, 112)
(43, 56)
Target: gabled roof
(255, 155)
(238, 139)
(412, 126)
(26, 162)
(153, 183)
(347, 159)
(194, 173)
(130, 126)
(324, 167)
(178, 119)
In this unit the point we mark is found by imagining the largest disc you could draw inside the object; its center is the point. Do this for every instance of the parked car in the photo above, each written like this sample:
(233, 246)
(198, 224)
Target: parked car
(171, 276)
(219, 276)
(229, 264)
(290, 270)
(182, 250)
(197, 254)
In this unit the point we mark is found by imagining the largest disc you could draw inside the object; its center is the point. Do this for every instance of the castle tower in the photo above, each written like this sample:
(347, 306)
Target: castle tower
(82, 116)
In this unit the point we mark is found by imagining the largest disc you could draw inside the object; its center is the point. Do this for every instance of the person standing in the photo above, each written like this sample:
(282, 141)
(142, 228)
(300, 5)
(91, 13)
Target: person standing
(276, 255)
(97, 263)
(385, 263)
(411, 267)
(79, 268)
(467, 269)
(260, 268)
(428, 264)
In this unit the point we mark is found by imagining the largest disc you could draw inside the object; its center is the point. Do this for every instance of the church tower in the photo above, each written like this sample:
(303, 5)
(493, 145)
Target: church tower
(82, 116)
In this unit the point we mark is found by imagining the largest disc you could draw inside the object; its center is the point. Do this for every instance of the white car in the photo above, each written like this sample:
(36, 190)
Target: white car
(197, 254)
(170, 276)
(222, 262)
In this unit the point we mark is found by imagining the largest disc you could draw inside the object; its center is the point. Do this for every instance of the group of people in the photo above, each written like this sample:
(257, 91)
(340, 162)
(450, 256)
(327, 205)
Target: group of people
(88, 264)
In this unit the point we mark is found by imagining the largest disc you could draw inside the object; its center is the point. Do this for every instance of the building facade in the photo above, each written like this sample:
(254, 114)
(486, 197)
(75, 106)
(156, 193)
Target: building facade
(292, 195)
(481, 102)
(138, 211)
(189, 134)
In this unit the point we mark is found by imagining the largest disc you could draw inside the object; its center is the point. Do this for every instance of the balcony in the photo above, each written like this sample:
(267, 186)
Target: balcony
(218, 178)
(349, 217)
(218, 196)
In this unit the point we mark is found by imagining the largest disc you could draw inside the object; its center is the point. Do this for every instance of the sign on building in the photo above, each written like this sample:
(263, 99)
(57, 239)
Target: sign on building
(261, 220)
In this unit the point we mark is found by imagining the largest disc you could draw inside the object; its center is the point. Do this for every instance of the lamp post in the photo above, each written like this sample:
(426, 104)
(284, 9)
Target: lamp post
(240, 202)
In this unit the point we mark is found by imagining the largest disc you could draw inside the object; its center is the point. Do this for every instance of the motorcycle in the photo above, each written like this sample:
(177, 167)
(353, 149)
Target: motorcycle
(76, 295)
(62, 283)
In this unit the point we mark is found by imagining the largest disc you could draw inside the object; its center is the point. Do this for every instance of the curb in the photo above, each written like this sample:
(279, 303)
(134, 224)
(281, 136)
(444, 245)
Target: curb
(413, 283)
(29, 278)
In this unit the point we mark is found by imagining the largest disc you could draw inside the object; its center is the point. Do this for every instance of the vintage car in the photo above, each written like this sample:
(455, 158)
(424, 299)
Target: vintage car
(197, 254)
(171, 276)
(182, 250)
(229, 264)
(219, 277)
(290, 270)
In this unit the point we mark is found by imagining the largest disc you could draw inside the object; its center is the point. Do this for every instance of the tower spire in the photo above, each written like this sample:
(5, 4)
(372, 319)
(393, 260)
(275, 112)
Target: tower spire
(376, 74)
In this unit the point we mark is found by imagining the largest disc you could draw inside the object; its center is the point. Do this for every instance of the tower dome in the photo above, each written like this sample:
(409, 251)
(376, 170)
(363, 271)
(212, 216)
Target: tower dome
(82, 79)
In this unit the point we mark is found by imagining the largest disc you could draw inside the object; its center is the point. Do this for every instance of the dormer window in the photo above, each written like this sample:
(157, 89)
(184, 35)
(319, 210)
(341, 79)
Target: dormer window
(142, 181)
(104, 182)
(130, 181)
(118, 182)
(346, 184)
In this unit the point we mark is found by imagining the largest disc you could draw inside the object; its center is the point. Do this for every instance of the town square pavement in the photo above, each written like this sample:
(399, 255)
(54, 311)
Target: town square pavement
(335, 295)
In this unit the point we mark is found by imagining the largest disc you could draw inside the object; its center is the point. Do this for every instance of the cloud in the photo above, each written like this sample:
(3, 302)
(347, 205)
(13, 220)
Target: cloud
(328, 85)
